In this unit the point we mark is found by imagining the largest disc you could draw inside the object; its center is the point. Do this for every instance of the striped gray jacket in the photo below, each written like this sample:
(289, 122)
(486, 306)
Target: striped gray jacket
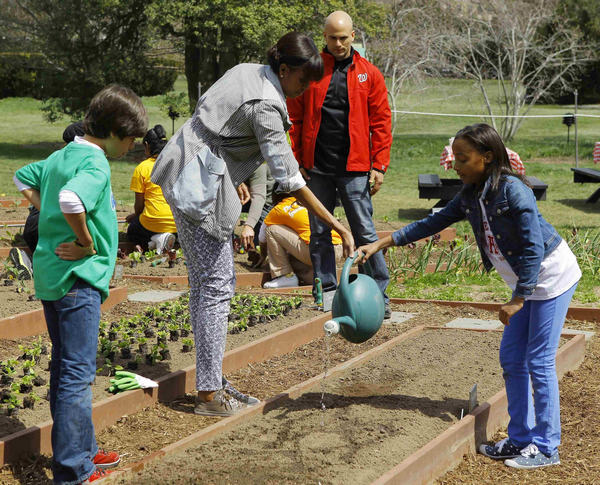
(238, 123)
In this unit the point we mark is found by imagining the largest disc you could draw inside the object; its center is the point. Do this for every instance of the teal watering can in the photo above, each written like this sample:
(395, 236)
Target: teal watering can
(358, 306)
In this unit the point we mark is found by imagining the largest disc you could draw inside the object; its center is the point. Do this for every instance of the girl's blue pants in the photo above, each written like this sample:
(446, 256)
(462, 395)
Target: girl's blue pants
(527, 356)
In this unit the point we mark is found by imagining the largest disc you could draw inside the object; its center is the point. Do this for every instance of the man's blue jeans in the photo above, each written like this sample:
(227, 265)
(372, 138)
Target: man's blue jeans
(356, 200)
(73, 327)
(527, 356)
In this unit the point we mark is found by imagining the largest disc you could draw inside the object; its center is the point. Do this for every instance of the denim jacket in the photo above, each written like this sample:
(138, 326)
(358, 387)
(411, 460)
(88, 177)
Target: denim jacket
(523, 236)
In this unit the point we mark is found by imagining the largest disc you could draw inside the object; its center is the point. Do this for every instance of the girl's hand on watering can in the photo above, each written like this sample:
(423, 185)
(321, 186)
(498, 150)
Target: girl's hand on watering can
(366, 251)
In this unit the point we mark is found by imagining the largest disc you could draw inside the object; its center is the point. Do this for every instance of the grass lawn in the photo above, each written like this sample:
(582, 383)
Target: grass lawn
(418, 142)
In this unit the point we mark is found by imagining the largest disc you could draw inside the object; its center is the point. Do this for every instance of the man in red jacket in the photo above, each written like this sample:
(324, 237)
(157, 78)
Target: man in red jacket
(341, 137)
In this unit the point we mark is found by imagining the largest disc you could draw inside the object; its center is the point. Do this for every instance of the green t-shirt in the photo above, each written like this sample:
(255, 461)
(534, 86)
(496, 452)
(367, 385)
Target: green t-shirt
(83, 169)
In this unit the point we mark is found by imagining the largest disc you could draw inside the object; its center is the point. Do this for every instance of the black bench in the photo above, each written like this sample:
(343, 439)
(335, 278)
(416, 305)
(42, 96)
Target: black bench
(586, 176)
(431, 186)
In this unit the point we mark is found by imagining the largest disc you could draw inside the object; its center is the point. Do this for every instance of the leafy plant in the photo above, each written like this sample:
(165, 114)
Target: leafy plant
(28, 366)
(136, 257)
(187, 344)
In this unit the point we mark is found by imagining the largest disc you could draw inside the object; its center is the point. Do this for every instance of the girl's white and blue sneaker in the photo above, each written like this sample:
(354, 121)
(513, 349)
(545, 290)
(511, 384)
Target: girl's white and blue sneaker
(500, 451)
(531, 457)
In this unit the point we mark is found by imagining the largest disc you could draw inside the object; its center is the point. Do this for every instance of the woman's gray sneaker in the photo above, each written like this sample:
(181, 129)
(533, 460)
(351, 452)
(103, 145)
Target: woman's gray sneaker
(219, 406)
(240, 396)
(531, 457)
(501, 450)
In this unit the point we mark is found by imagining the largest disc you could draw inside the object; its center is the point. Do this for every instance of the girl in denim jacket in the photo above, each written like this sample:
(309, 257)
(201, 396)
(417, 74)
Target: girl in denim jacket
(536, 263)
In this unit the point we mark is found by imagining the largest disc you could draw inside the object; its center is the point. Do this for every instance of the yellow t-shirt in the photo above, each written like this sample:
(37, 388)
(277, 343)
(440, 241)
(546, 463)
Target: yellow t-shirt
(295, 216)
(157, 215)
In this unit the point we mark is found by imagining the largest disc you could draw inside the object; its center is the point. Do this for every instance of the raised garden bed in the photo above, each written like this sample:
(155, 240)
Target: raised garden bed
(155, 368)
(159, 424)
(32, 322)
(376, 413)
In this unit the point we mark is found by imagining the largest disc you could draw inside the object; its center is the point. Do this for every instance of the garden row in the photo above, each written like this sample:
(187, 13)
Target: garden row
(145, 339)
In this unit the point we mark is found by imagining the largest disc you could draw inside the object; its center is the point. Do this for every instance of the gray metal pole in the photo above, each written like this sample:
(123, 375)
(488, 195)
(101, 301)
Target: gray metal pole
(576, 138)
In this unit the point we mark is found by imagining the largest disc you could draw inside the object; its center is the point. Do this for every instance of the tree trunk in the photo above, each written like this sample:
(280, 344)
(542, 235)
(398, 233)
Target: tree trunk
(192, 66)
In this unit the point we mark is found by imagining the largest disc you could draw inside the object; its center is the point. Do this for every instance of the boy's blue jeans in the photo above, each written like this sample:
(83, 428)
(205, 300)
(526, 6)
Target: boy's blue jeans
(73, 327)
(356, 200)
(527, 356)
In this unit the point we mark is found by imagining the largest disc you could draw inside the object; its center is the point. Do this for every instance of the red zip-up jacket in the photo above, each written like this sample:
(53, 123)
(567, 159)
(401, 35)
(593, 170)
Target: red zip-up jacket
(369, 118)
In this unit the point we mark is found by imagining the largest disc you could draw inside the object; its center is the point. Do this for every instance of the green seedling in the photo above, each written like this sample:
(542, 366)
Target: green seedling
(28, 367)
(187, 345)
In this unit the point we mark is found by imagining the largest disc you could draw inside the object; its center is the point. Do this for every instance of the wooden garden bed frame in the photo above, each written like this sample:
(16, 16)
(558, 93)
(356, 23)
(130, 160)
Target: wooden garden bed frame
(431, 461)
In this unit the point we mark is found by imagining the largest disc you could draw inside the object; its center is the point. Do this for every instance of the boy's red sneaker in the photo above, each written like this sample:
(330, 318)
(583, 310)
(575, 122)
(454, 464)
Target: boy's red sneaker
(105, 459)
(97, 475)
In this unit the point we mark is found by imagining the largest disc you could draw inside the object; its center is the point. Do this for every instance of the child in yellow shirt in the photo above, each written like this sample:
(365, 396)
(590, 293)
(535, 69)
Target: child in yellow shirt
(286, 234)
(152, 224)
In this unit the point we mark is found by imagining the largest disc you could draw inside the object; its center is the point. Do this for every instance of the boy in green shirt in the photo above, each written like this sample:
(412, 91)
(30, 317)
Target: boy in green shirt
(73, 264)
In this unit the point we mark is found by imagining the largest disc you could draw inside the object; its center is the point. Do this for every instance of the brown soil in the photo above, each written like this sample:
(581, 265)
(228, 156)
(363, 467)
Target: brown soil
(13, 303)
(16, 214)
(376, 414)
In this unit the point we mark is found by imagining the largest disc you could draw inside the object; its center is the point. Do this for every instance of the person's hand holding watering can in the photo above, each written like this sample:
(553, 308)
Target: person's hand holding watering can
(368, 250)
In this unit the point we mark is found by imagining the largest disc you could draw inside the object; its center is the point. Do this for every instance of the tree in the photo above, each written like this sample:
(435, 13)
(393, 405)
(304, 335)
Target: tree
(87, 44)
(523, 44)
(585, 16)
(407, 47)
(218, 34)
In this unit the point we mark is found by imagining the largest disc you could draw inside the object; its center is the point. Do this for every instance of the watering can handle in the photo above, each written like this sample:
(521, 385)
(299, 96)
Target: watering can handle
(350, 261)
(346, 270)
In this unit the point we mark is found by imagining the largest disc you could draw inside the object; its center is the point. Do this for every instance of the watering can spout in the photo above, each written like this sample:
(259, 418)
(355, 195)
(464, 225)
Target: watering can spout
(333, 326)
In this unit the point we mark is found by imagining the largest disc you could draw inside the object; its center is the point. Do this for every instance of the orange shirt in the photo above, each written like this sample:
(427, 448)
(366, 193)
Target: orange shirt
(295, 216)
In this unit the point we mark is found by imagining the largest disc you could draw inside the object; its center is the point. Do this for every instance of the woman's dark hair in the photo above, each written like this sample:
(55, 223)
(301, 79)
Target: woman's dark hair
(118, 110)
(156, 138)
(484, 139)
(297, 51)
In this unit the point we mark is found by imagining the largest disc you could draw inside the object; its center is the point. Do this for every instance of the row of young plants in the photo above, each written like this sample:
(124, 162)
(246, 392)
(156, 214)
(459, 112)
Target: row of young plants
(248, 310)
(139, 256)
(19, 377)
(145, 338)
